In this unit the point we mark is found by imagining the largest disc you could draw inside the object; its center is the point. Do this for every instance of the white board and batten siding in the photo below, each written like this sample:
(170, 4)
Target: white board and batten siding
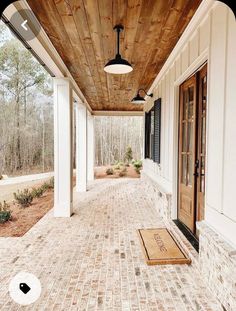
(211, 37)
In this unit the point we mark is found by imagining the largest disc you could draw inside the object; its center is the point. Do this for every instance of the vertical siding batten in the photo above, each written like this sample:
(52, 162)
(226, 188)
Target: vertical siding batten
(194, 47)
(216, 107)
(171, 121)
(230, 124)
(167, 118)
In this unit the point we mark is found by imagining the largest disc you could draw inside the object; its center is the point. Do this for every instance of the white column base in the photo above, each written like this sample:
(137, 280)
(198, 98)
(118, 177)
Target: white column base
(81, 188)
(63, 210)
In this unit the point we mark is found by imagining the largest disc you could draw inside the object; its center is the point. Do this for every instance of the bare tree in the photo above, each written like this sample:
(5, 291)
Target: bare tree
(26, 111)
(114, 135)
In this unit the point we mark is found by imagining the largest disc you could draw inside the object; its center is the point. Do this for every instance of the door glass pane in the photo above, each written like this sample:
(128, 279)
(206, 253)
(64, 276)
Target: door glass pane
(190, 103)
(184, 136)
(204, 95)
(190, 171)
(190, 136)
(191, 93)
(184, 168)
(185, 105)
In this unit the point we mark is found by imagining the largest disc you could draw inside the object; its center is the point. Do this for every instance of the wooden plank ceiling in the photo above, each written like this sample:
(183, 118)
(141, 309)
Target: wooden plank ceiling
(82, 32)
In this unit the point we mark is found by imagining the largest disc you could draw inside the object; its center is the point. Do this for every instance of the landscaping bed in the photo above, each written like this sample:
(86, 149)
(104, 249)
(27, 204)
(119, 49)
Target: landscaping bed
(101, 172)
(22, 219)
(24, 214)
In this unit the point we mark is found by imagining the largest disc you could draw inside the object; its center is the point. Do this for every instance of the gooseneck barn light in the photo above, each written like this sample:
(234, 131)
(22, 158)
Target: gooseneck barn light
(118, 65)
(138, 99)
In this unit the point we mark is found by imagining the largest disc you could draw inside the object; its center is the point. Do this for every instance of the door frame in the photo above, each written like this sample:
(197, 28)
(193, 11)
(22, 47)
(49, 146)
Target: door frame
(188, 190)
(191, 70)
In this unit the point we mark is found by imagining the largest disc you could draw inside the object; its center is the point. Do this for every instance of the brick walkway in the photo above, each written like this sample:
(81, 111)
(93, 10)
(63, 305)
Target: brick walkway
(93, 261)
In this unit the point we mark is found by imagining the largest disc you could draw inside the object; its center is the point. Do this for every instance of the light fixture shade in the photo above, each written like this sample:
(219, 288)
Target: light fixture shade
(118, 66)
(138, 99)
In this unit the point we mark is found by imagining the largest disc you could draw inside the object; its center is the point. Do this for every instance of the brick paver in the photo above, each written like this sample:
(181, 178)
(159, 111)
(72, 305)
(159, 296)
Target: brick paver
(93, 261)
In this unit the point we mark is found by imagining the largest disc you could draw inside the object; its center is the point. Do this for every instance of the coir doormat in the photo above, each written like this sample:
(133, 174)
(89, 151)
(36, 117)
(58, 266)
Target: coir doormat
(161, 248)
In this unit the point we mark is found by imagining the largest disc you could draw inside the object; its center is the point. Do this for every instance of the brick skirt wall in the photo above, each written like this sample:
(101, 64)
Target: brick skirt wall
(217, 262)
(161, 201)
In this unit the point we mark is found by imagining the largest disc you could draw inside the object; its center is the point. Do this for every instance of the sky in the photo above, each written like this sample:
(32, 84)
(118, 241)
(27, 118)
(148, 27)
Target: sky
(5, 33)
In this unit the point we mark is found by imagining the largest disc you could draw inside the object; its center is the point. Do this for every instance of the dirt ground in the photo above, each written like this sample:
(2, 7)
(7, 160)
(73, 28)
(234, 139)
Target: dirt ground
(24, 218)
(100, 172)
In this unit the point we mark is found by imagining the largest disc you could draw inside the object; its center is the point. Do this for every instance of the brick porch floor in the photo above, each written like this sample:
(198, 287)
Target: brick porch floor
(93, 261)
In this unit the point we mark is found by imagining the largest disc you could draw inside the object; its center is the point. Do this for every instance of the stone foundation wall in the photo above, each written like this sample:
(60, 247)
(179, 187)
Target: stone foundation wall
(217, 262)
(161, 200)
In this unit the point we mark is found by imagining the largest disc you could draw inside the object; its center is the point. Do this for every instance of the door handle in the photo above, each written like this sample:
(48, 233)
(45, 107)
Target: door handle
(196, 174)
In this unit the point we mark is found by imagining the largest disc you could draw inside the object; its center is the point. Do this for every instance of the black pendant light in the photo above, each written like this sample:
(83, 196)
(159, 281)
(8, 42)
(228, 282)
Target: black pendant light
(138, 99)
(118, 65)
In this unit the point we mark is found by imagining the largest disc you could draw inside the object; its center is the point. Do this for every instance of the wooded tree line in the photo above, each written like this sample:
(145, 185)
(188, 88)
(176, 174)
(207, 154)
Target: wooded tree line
(26, 110)
(26, 117)
(114, 134)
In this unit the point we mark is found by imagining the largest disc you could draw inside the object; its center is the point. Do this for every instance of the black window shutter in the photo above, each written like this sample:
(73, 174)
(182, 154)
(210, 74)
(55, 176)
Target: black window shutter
(157, 131)
(147, 134)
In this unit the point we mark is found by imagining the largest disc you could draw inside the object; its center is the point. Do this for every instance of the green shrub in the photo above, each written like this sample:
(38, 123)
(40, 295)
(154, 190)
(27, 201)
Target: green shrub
(24, 198)
(123, 172)
(128, 154)
(5, 213)
(137, 165)
(51, 183)
(48, 185)
(117, 167)
(45, 186)
(110, 171)
(37, 192)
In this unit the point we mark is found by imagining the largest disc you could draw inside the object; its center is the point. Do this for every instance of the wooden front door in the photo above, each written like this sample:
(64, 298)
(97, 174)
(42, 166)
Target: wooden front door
(192, 142)
(187, 145)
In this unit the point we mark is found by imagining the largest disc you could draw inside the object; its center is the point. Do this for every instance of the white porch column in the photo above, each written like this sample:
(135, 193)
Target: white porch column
(81, 148)
(63, 172)
(90, 147)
